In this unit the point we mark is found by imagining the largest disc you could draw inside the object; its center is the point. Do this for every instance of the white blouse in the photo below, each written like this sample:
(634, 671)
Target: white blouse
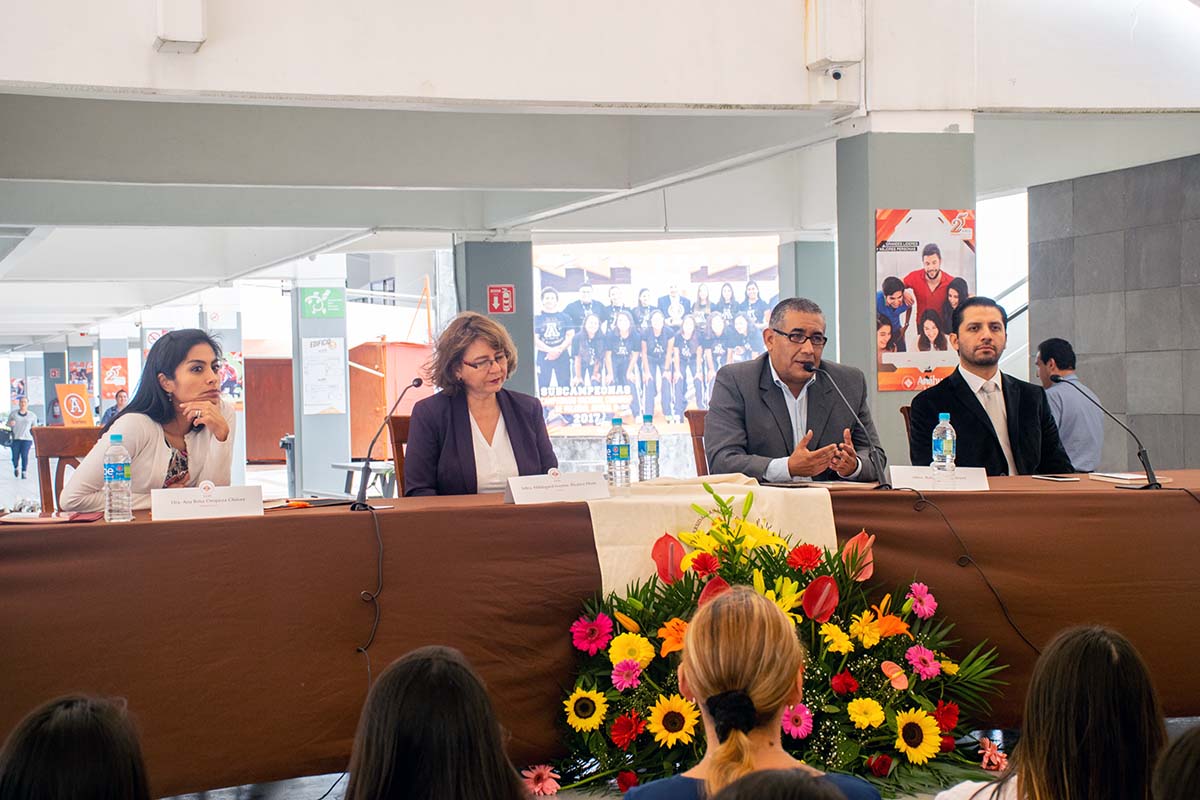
(495, 462)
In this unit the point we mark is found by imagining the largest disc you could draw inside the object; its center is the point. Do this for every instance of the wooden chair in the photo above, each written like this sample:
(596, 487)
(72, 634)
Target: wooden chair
(904, 412)
(398, 429)
(68, 445)
(695, 418)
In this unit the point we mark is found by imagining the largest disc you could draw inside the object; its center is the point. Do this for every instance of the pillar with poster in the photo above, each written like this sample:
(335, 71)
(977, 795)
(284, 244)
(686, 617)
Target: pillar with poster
(924, 268)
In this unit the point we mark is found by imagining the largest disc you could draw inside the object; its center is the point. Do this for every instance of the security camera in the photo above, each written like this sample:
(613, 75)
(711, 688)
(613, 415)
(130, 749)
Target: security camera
(835, 73)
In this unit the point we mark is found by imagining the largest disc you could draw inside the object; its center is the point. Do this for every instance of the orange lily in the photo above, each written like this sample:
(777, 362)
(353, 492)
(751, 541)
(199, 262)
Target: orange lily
(672, 635)
(890, 624)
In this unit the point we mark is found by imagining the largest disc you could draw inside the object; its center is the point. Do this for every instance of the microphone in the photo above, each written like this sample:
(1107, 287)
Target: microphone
(360, 502)
(1143, 456)
(874, 455)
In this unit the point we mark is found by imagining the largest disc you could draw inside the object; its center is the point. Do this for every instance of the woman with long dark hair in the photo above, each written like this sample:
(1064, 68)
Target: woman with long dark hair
(177, 428)
(621, 360)
(587, 349)
(428, 732)
(931, 336)
(956, 293)
(683, 365)
(655, 342)
(755, 307)
(727, 305)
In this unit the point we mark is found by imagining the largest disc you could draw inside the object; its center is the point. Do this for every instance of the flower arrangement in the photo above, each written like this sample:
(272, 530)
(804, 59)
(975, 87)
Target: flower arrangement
(883, 696)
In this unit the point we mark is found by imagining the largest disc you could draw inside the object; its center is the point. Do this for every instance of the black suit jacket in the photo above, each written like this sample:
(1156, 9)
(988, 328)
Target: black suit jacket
(1032, 434)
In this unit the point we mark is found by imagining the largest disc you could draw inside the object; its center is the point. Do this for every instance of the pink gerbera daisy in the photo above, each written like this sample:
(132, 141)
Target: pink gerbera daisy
(592, 635)
(797, 721)
(627, 675)
(924, 603)
(541, 780)
(923, 661)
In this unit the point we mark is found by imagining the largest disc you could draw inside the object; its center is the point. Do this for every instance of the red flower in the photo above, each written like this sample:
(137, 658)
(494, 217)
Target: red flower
(843, 683)
(626, 780)
(946, 716)
(805, 557)
(820, 599)
(626, 728)
(947, 744)
(705, 564)
(716, 585)
(667, 553)
(880, 765)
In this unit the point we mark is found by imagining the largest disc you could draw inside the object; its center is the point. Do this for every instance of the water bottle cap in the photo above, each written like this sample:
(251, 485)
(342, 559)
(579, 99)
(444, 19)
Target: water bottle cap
(114, 438)
(647, 418)
(616, 420)
(943, 417)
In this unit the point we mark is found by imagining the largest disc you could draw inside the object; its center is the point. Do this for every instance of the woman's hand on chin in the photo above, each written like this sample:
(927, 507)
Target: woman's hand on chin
(206, 413)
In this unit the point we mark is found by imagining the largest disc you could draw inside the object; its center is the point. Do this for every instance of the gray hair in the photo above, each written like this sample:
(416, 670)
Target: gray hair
(785, 307)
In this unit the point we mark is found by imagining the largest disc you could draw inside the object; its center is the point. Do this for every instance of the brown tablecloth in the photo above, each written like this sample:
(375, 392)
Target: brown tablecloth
(234, 640)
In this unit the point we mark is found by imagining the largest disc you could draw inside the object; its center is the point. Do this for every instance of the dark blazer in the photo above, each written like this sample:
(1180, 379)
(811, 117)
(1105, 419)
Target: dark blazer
(440, 458)
(748, 424)
(1032, 434)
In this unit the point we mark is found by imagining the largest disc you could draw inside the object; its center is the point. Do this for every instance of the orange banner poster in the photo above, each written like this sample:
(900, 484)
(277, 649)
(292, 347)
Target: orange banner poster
(75, 404)
(114, 376)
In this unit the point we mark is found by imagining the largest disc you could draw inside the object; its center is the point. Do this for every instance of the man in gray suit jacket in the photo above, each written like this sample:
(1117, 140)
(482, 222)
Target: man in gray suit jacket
(778, 418)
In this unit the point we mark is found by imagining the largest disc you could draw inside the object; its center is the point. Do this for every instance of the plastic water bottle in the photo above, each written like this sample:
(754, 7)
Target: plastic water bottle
(617, 443)
(648, 449)
(944, 439)
(118, 484)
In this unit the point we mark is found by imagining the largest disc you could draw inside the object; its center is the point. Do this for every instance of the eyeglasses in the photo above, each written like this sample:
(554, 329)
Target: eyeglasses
(487, 363)
(818, 339)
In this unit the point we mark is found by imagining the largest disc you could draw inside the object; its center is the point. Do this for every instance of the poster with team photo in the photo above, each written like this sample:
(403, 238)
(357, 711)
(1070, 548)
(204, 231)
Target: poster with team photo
(924, 267)
(632, 328)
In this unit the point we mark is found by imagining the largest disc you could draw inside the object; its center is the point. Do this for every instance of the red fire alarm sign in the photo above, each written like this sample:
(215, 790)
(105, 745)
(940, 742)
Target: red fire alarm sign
(502, 299)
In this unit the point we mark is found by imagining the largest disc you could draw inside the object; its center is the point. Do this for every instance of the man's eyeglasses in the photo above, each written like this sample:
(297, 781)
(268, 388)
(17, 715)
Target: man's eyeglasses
(818, 339)
(486, 363)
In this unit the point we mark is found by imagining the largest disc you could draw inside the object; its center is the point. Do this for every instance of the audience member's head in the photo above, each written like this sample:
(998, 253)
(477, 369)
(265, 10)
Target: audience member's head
(74, 748)
(1054, 357)
(743, 664)
(1177, 776)
(1092, 728)
(780, 784)
(427, 732)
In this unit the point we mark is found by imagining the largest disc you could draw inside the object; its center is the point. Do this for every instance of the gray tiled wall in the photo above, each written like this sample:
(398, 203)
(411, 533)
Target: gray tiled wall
(1114, 267)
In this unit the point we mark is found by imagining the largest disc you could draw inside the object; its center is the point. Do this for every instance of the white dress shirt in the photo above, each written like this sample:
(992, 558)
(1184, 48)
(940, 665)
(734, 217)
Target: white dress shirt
(495, 463)
(797, 405)
(990, 394)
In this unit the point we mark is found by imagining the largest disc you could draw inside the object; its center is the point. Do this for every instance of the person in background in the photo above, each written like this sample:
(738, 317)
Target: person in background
(621, 359)
(956, 292)
(716, 352)
(616, 304)
(727, 305)
(578, 310)
(674, 306)
(755, 307)
(654, 363)
(884, 343)
(1080, 421)
(642, 312)
(428, 731)
(889, 302)
(122, 399)
(178, 429)
(1177, 776)
(683, 365)
(587, 352)
(74, 748)
(741, 340)
(702, 309)
(1003, 424)
(777, 419)
(22, 422)
(926, 287)
(474, 434)
(780, 784)
(743, 665)
(1092, 728)
(931, 336)
(553, 332)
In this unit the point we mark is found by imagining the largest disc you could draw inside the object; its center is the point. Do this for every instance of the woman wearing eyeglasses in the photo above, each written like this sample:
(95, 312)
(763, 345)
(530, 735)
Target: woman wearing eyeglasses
(474, 434)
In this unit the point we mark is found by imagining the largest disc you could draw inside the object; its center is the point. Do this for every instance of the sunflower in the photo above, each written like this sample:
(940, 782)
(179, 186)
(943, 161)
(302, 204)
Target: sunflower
(631, 647)
(673, 720)
(585, 709)
(917, 735)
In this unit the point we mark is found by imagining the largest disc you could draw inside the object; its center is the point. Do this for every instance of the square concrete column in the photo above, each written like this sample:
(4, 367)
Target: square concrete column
(478, 265)
(809, 269)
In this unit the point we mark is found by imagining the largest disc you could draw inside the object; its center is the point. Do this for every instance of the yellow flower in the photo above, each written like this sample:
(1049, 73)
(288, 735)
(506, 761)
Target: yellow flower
(917, 735)
(949, 667)
(585, 709)
(865, 713)
(755, 536)
(627, 623)
(672, 636)
(836, 639)
(672, 720)
(632, 647)
(866, 629)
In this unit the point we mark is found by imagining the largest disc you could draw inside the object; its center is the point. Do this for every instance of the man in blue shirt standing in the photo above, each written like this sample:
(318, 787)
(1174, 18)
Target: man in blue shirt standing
(1080, 422)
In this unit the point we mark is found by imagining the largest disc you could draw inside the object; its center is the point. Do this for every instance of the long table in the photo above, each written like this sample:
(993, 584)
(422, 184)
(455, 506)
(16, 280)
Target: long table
(235, 641)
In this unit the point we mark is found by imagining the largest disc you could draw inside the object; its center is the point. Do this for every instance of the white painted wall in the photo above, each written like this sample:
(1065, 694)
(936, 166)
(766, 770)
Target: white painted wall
(921, 55)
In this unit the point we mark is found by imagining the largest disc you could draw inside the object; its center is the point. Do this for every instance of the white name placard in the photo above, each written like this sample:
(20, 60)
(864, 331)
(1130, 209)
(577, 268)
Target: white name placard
(557, 487)
(206, 501)
(966, 479)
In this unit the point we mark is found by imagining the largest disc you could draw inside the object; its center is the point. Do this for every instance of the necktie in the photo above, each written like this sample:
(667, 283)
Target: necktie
(993, 403)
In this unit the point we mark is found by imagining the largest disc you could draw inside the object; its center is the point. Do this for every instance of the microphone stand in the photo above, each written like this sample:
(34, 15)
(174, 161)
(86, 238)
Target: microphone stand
(1143, 456)
(874, 456)
(360, 502)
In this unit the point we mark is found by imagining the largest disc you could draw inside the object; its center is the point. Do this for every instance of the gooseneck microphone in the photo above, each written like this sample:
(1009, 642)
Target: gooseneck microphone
(874, 454)
(1143, 456)
(360, 502)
